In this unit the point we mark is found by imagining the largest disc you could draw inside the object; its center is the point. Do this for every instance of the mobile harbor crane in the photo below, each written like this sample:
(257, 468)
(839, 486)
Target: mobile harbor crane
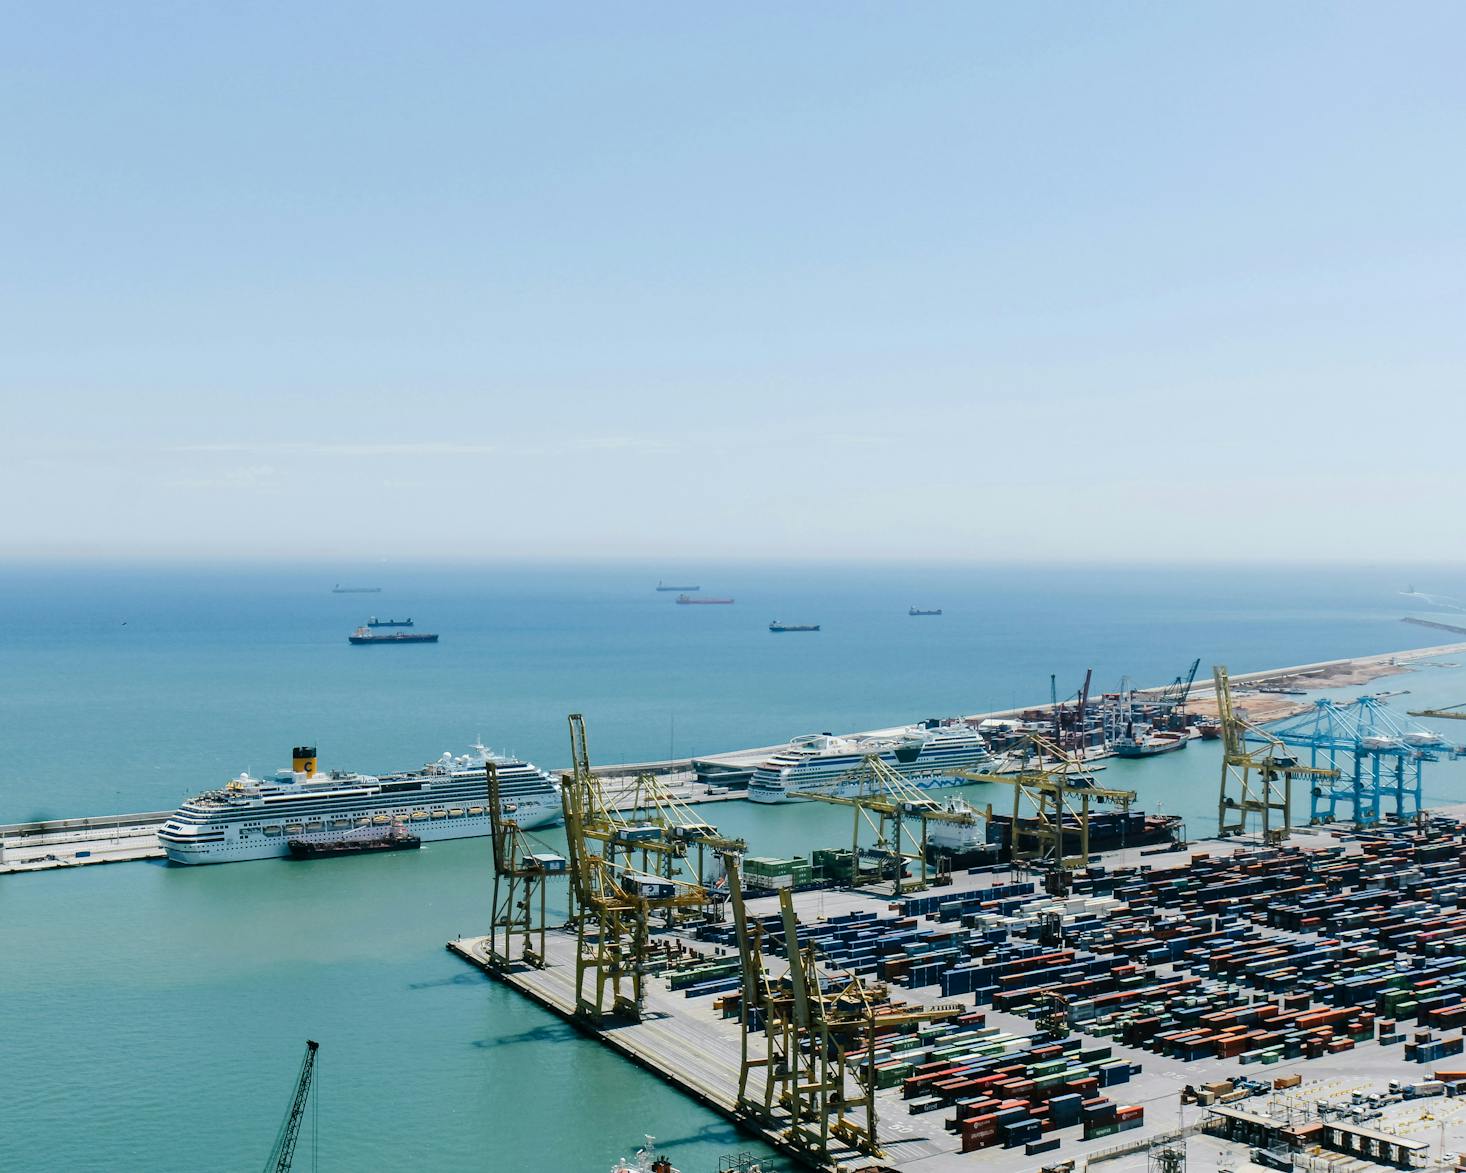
(282, 1156)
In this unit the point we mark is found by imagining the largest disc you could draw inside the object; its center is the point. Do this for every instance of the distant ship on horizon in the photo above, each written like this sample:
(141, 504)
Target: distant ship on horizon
(338, 589)
(365, 635)
(689, 601)
(661, 586)
(919, 611)
(777, 626)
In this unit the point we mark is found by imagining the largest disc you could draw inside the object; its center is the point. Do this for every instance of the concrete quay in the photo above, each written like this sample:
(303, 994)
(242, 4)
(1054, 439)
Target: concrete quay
(63, 843)
(683, 1041)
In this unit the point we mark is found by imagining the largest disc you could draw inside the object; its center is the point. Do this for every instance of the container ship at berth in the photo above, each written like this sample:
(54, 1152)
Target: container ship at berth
(926, 755)
(256, 818)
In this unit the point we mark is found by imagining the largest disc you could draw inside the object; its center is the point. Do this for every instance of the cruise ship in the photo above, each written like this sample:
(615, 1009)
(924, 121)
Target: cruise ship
(256, 818)
(926, 756)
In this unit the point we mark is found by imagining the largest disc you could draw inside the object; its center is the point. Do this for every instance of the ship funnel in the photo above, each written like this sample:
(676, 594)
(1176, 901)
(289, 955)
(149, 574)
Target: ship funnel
(303, 760)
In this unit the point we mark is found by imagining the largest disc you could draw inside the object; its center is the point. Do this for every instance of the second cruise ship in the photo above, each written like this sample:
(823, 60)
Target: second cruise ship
(925, 756)
(256, 818)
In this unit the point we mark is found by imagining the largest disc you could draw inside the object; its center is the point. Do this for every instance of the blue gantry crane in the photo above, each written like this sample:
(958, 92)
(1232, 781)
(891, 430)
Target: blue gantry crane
(1379, 757)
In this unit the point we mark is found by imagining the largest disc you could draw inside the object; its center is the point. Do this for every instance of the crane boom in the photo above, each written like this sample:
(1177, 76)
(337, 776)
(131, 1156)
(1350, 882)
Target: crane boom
(283, 1154)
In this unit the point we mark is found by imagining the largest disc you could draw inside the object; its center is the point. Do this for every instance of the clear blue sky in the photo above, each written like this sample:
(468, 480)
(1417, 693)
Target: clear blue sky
(951, 280)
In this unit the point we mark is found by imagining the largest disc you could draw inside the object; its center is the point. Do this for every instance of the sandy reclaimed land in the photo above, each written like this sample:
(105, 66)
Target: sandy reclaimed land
(1268, 706)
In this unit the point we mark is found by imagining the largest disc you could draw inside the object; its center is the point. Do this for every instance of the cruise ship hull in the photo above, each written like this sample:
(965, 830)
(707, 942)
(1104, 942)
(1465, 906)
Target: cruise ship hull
(929, 769)
(249, 838)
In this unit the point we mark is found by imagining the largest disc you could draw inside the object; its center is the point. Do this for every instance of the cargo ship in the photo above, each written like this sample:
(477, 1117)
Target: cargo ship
(255, 818)
(1108, 831)
(375, 622)
(364, 841)
(919, 611)
(338, 589)
(1147, 743)
(777, 626)
(661, 586)
(689, 601)
(365, 635)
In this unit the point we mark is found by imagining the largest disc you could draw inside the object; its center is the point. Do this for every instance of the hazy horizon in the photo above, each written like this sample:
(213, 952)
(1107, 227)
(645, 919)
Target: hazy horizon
(950, 283)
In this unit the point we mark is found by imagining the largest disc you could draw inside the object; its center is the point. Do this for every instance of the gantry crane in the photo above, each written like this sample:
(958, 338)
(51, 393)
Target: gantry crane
(282, 1156)
(692, 838)
(1254, 774)
(1061, 796)
(1376, 757)
(520, 873)
(884, 792)
(620, 879)
(817, 1027)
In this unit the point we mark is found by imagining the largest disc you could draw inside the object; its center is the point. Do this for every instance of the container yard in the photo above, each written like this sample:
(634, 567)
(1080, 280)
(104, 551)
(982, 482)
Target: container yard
(1268, 1000)
(1180, 995)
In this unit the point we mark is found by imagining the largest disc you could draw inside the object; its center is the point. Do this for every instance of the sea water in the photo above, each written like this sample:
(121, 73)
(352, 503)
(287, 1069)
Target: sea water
(155, 1016)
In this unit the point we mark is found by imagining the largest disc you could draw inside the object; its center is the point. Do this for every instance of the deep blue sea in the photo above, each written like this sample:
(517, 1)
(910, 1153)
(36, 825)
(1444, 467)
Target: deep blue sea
(154, 1015)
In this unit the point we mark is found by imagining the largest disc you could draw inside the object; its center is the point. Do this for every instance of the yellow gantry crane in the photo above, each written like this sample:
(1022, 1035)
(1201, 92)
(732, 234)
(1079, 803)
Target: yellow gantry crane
(815, 1030)
(622, 874)
(520, 873)
(1061, 795)
(896, 804)
(1254, 781)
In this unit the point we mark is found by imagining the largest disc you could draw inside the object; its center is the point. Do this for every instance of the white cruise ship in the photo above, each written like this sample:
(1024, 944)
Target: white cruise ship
(926, 757)
(255, 818)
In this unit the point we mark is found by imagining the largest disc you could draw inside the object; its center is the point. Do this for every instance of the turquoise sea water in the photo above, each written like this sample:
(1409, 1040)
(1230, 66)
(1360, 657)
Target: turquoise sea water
(155, 1016)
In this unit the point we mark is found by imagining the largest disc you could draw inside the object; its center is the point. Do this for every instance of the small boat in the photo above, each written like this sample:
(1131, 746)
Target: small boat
(646, 1160)
(689, 601)
(919, 611)
(777, 626)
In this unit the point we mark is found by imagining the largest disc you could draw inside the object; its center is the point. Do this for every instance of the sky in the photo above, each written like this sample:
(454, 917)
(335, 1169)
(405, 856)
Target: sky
(966, 281)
